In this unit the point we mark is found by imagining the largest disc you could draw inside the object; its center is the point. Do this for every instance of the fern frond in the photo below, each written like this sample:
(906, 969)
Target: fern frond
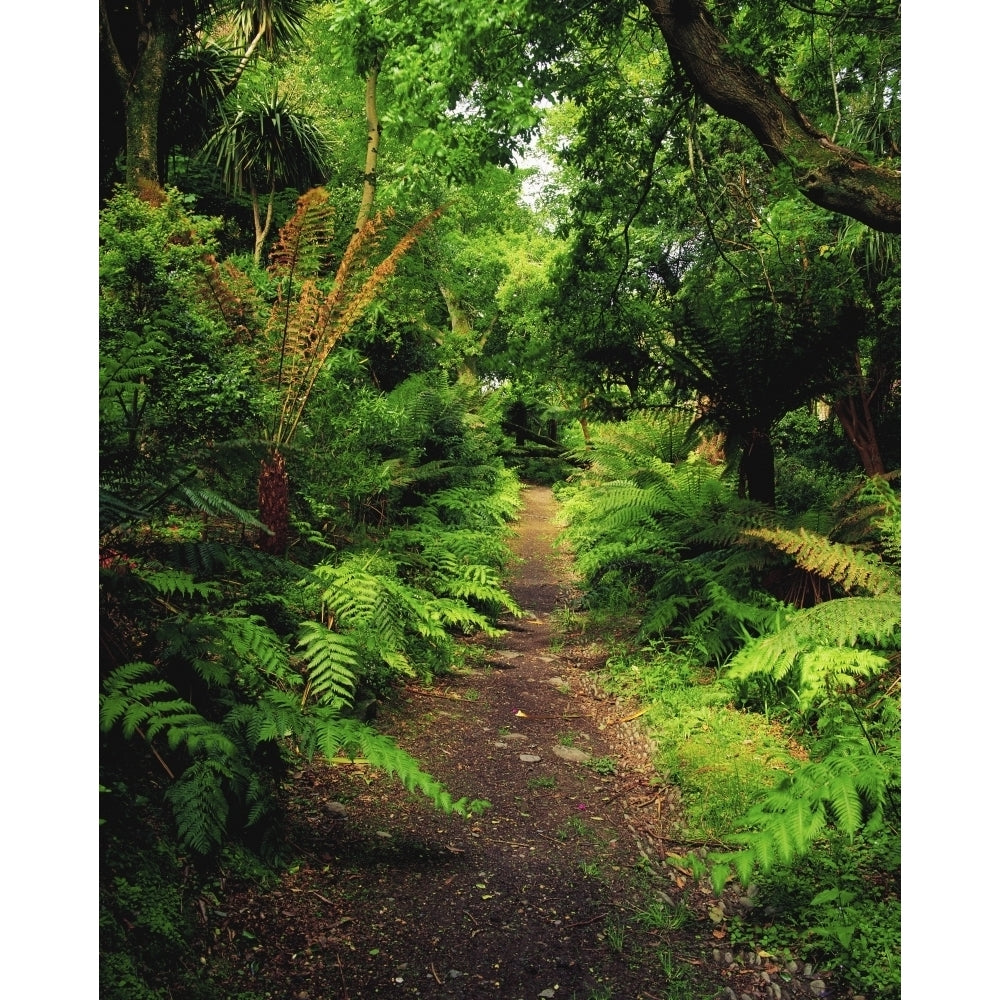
(199, 805)
(253, 642)
(332, 661)
(841, 564)
(837, 791)
(173, 582)
(304, 240)
(209, 502)
(355, 739)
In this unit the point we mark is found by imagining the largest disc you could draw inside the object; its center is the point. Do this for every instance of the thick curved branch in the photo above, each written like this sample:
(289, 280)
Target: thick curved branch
(117, 63)
(832, 176)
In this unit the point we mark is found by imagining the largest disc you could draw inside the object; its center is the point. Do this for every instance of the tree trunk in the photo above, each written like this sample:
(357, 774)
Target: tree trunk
(261, 228)
(464, 337)
(158, 38)
(829, 175)
(757, 468)
(854, 411)
(855, 416)
(371, 151)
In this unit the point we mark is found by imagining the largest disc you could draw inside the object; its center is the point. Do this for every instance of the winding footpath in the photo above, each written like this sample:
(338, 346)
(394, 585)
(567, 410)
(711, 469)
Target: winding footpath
(563, 888)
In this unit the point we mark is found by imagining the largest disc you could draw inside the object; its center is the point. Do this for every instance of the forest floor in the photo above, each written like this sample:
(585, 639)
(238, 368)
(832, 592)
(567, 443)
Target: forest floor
(563, 889)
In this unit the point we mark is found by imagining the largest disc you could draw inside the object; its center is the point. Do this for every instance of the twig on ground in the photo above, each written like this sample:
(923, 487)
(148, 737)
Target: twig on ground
(583, 923)
(434, 694)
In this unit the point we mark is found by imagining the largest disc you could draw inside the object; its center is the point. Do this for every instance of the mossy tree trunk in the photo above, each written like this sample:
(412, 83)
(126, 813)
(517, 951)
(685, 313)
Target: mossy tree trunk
(142, 80)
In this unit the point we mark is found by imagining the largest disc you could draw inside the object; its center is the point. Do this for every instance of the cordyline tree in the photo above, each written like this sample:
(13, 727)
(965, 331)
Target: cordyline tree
(308, 319)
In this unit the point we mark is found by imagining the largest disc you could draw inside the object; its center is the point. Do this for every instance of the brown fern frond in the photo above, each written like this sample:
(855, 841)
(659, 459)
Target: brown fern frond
(338, 315)
(232, 295)
(304, 240)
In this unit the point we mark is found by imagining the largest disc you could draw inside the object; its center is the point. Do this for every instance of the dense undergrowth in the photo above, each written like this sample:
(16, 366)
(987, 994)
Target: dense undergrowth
(766, 645)
(226, 659)
(283, 539)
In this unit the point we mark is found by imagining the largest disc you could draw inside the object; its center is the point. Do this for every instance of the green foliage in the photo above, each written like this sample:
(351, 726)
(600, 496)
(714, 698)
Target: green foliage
(170, 378)
(664, 530)
(853, 923)
(333, 661)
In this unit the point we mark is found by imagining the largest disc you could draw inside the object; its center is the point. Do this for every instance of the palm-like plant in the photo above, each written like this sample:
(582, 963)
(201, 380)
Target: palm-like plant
(261, 142)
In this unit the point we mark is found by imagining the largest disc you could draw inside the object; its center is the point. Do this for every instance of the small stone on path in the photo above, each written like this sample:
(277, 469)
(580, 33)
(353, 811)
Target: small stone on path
(573, 754)
(530, 758)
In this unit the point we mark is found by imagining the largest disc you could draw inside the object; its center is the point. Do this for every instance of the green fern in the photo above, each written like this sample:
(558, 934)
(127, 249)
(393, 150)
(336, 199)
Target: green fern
(840, 564)
(845, 792)
(338, 736)
(200, 806)
(169, 583)
(153, 707)
(823, 649)
(333, 661)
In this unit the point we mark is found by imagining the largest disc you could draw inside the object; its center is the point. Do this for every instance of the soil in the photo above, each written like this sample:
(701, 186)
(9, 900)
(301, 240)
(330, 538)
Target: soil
(563, 888)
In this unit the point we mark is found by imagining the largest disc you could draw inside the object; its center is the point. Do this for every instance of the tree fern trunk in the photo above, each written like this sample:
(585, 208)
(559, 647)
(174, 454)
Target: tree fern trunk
(272, 500)
(757, 468)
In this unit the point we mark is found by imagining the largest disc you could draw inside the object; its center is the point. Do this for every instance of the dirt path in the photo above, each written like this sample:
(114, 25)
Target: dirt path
(559, 890)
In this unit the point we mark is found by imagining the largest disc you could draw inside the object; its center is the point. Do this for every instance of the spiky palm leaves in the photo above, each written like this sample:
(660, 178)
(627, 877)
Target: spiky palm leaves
(262, 142)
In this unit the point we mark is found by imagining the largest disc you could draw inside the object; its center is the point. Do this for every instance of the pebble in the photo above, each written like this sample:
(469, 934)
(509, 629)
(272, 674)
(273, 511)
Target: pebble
(817, 987)
(337, 810)
(530, 758)
(572, 754)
